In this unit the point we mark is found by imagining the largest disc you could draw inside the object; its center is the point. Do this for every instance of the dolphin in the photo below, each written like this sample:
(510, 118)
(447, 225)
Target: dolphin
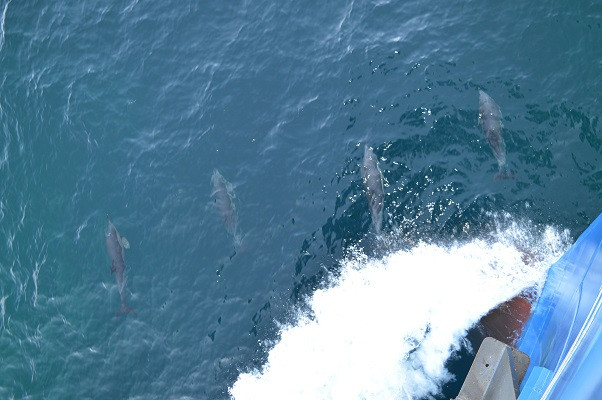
(373, 183)
(115, 248)
(490, 119)
(223, 197)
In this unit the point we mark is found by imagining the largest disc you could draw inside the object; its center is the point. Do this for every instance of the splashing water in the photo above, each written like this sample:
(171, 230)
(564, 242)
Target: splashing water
(385, 327)
(2, 22)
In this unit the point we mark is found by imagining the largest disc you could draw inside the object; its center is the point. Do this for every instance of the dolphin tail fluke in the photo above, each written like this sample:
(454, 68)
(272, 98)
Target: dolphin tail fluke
(125, 310)
(505, 174)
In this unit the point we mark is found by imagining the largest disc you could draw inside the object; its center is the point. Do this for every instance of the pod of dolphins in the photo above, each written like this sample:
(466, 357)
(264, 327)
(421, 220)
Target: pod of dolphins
(223, 195)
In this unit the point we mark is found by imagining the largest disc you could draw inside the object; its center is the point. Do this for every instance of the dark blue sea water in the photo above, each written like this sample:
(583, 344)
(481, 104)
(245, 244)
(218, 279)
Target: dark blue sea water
(125, 108)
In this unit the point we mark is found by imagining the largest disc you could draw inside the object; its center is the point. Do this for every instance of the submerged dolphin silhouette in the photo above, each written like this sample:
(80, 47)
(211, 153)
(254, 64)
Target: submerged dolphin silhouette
(490, 119)
(373, 183)
(115, 248)
(223, 196)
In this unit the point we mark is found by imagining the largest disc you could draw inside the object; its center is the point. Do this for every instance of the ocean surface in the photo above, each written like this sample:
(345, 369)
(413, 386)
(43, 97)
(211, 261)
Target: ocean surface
(126, 108)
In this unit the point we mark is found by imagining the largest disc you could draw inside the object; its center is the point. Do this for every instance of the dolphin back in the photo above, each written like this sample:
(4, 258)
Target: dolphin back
(115, 252)
(373, 185)
(114, 248)
(488, 108)
(490, 118)
(223, 195)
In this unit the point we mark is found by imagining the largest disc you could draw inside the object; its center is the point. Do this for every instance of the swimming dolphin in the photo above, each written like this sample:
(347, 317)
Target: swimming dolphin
(115, 248)
(490, 119)
(223, 197)
(373, 183)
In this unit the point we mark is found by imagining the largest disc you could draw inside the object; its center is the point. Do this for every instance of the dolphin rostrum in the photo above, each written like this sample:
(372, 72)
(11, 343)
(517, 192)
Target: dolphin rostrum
(223, 197)
(490, 119)
(115, 248)
(373, 184)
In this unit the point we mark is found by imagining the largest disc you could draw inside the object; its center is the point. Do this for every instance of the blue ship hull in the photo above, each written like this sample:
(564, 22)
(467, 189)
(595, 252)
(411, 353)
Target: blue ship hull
(563, 335)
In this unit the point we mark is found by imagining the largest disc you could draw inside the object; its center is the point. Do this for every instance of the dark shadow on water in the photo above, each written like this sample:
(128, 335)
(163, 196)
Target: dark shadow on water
(459, 364)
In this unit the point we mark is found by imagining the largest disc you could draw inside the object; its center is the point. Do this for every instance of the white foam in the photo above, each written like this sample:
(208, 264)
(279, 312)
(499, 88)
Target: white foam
(386, 327)
(3, 308)
(2, 23)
